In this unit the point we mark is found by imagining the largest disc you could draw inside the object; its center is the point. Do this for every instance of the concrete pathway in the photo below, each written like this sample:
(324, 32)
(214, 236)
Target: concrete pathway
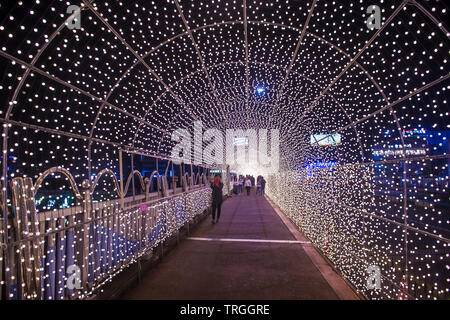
(250, 254)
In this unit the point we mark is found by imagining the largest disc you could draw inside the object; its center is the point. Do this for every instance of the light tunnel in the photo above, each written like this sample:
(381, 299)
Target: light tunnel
(357, 91)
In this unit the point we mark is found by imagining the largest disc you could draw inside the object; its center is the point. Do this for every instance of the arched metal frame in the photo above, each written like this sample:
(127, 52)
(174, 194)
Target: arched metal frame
(158, 180)
(271, 116)
(141, 180)
(31, 67)
(105, 102)
(65, 172)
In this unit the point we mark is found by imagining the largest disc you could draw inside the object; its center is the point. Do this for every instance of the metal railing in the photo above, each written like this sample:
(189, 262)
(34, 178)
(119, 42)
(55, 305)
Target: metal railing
(70, 253)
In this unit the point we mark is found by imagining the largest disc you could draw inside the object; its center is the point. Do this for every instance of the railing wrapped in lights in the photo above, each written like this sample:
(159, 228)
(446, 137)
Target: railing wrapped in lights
(70, 253)
(340, 210)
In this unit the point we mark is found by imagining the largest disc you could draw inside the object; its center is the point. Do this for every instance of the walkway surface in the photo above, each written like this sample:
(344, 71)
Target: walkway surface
(219, 262)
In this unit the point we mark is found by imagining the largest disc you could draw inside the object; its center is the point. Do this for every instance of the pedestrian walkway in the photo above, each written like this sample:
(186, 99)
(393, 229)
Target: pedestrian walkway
(249, 254)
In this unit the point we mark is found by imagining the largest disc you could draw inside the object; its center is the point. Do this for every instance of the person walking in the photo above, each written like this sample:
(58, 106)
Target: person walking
(216, 187)
(263, 185)
(258, 186)
(241, 184)
(235, 186)
(248, 185)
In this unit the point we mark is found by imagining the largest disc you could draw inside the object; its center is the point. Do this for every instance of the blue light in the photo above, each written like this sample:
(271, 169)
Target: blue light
(260, 90)
(320, 164)
(66, 203)
(51, 204)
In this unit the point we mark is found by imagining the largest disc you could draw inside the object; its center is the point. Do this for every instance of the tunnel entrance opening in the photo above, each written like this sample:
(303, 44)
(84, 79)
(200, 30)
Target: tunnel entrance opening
(98, 100)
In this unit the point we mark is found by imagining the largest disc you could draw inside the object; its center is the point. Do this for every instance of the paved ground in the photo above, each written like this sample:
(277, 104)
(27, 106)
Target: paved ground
(205, 269)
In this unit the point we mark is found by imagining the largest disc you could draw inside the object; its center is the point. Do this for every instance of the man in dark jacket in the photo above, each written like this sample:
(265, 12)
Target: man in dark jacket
(216, 187)
(263, 185)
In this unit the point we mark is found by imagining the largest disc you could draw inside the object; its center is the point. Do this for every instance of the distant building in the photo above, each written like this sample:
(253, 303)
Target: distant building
(419, 143)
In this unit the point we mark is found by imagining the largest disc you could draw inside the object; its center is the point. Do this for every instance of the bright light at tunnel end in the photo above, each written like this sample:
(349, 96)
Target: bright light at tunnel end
(259, 154)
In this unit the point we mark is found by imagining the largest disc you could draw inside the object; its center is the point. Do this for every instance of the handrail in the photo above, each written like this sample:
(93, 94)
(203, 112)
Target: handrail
(141, 180)
(146, 228)
(129, 203)
(153, 201)
(113, 221)
(158, 180)
(196, 178)
(167, 168)
(46, 173)
(184, 181)
(38, 184)
(113, 176)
